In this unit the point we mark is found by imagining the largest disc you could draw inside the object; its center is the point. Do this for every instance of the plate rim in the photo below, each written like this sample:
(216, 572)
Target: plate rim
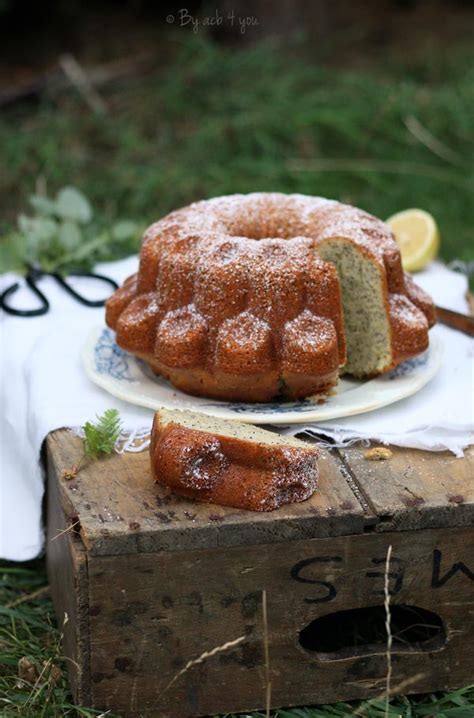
(116, 389)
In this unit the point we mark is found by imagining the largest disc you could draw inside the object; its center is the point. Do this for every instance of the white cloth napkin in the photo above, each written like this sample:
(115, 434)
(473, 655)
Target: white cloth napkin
(43, 387)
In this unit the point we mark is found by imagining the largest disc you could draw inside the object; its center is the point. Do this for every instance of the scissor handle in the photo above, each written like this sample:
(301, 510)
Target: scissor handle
(35, 273)
(24, 312)
(79, 297)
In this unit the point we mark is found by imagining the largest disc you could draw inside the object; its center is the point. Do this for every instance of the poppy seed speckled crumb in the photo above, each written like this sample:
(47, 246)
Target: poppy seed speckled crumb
(249, 297)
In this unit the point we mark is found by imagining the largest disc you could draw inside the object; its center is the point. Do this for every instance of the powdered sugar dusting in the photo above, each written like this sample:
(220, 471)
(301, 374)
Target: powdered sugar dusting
(221, 267)
(203, 464)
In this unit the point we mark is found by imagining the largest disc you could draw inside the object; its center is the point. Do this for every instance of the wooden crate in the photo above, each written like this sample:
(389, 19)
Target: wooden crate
(150, 582)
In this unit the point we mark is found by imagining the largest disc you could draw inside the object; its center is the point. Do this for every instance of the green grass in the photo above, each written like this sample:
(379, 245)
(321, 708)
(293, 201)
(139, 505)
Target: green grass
(28, 630)
(215, 121)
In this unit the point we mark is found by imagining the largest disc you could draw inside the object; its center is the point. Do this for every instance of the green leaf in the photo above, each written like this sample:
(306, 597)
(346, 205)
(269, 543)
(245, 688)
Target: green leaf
(100, 436)
(72, 204)
(43, 205)
(83, 254)
(37, 229)
(124, 230)
(70, 235)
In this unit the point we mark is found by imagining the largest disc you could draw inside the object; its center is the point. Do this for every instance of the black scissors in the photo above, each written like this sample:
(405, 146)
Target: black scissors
(34, 274)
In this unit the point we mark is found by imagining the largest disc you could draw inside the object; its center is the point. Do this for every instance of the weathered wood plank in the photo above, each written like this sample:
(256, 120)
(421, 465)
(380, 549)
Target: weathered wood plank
(416, 489)
(151, 581)
(67, 571)
(151, 614)
(121, 510)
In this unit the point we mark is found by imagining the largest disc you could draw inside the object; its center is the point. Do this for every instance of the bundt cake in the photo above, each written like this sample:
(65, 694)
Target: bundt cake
(248, 297)
(229, 463)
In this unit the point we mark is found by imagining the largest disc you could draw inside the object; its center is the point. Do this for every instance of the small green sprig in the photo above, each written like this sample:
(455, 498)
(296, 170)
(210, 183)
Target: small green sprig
(100, 437)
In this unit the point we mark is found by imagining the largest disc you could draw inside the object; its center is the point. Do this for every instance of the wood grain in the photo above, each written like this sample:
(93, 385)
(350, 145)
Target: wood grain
(66, 560)
(416, 489)
(150, 581)
(154, 613)
(462, 322)
(121, 510)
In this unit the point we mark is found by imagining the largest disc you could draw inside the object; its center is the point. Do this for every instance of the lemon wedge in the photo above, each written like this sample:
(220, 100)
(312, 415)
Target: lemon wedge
(417, 236)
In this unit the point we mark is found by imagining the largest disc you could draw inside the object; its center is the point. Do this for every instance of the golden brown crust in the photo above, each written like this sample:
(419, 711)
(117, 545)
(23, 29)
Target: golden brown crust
(420, 299)
(232, 300)
(233, 472)
(409, 329)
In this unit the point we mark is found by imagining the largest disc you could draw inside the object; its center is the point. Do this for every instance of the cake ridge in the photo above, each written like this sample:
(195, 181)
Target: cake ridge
(283, 267)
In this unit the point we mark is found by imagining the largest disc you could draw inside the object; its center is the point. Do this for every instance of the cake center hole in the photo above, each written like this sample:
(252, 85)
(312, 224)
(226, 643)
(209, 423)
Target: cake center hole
(252, 228)
(361, 631)
(251, 232)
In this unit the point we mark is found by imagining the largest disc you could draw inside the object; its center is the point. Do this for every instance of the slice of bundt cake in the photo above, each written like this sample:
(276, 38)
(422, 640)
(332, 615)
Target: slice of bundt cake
(230, 463)
(249, 297)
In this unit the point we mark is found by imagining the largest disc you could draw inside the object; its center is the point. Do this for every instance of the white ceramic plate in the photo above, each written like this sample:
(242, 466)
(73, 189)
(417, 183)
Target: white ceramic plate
(129, 379)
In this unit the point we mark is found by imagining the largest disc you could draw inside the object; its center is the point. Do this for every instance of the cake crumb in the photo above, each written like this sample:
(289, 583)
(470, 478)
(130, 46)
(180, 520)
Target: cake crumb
(378, 453)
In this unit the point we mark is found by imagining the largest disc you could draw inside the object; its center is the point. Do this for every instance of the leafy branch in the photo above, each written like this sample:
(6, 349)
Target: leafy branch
(99, 438)
(63, 236)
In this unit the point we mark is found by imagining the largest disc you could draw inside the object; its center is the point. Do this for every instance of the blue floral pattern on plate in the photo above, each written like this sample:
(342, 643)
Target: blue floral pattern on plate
(125, 376)
(409, 366)
(110, 359)
(405, 369)
(273, 407)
